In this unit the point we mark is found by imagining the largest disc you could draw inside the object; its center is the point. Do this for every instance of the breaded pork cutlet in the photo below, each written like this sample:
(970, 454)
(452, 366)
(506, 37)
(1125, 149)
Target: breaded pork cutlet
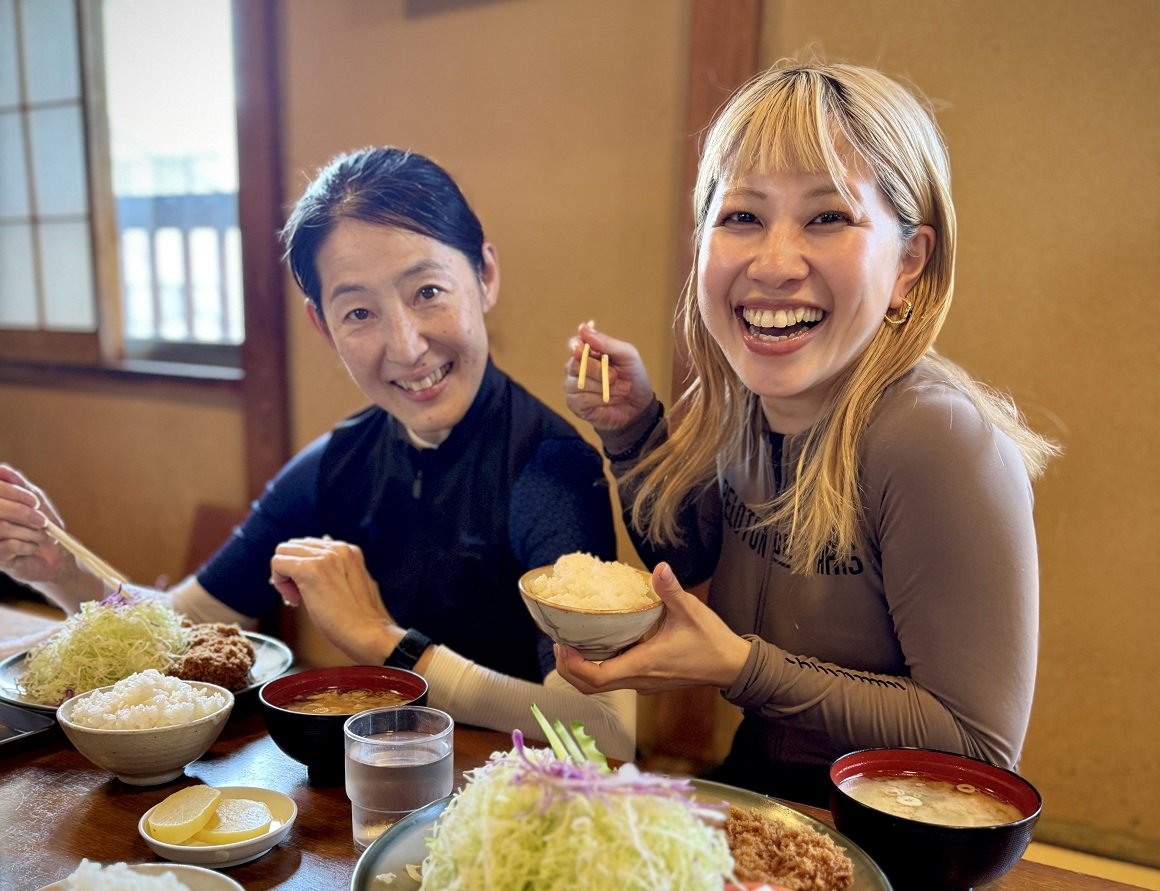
(218, 654)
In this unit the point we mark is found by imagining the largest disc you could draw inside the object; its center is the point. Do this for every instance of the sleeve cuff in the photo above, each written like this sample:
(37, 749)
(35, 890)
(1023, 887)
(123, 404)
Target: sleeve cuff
(634, 434)
(759, 677)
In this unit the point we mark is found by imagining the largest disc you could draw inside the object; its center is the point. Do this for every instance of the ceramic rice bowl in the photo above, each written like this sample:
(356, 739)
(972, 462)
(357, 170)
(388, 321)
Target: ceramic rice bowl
(597, 633)
(150, 756)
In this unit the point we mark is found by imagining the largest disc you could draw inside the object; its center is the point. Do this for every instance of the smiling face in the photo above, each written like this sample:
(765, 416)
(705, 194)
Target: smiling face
(794, 280)
(406, 315)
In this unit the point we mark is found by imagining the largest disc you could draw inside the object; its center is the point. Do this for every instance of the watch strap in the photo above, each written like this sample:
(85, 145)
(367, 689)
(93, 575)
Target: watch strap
(408, 650)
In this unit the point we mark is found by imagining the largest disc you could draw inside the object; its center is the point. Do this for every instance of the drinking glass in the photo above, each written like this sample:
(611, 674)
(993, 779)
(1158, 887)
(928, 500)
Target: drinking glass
(397, 760)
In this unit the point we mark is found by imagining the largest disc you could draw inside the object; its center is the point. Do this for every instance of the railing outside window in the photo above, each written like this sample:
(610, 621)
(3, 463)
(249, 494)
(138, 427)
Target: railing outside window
(119, 234)
(180, 269)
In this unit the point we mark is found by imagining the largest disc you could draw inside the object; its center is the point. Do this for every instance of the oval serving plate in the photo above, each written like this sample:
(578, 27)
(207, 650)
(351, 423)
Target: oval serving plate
(196, 878)
(271, 658)
(406, 841)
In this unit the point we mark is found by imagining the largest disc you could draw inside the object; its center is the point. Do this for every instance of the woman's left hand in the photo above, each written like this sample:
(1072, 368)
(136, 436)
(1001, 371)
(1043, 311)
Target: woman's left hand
(692, 647)
(331, 580)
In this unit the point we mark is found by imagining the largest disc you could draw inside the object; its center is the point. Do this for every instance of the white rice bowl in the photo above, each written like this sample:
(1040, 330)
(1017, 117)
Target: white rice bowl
(90, 876)
(599, 608)
(144, 700)
(586, 582)
(149, 726)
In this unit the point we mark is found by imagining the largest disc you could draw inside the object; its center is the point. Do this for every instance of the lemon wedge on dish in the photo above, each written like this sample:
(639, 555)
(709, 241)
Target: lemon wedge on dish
(182, 814)
(235, 820)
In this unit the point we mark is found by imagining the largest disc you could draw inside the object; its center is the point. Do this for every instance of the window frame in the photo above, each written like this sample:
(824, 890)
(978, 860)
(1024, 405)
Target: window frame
(71, 360)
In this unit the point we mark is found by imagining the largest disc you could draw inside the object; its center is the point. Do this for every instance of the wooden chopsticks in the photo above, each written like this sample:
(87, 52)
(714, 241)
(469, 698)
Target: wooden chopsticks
(100, 568)
(582, 375)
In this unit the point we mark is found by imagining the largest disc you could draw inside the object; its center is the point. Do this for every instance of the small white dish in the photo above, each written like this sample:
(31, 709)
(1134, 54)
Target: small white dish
(196, 878)
(282, 807)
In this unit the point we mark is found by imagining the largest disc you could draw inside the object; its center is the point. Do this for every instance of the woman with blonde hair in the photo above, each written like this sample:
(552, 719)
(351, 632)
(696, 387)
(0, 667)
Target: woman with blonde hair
(862, 506)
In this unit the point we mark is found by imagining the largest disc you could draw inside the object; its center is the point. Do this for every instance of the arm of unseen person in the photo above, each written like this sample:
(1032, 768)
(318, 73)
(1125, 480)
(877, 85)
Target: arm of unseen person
(27, 552)
(196, 603)
(30, 555)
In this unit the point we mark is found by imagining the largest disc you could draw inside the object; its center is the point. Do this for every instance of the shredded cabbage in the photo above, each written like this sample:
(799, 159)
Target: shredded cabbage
(104, 642)
(529, 819)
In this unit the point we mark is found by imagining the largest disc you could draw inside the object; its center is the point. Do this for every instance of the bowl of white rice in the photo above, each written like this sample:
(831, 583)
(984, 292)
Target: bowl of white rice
(147, 727)
(599, 607)
(93, 876)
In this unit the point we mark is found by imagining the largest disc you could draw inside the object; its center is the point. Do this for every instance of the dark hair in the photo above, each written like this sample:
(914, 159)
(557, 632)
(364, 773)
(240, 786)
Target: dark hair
(385, 186)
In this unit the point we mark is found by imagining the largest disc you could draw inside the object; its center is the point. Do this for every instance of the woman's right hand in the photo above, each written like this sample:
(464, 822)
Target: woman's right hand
(330, 578)
(630, 391)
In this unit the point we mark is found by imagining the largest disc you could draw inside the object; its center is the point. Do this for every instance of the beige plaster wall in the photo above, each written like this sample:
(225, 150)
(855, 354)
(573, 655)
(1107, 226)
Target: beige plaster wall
(1051, 113)
(127, 470)
(561, 121)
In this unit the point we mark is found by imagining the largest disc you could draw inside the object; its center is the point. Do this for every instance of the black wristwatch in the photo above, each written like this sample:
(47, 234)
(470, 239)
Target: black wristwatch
(408, 650)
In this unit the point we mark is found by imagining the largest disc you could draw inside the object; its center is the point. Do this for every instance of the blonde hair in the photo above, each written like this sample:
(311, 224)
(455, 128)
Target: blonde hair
(809, 117)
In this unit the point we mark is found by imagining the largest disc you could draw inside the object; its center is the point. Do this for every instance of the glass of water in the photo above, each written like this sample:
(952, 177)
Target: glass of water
(397, 760)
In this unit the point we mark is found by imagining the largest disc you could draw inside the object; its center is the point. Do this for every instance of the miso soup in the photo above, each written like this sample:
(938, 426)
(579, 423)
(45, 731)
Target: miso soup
(931, 801)
(344, 702)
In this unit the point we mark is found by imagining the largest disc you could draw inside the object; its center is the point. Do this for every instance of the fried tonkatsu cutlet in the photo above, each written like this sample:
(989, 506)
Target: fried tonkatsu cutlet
(218, 654)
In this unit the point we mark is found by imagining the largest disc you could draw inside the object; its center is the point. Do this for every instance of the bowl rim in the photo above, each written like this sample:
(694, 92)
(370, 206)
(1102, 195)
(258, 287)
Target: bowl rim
(290, 677)
(181, 870)
(835, 787)
(64, 712)
(232, 846)
(582, 610)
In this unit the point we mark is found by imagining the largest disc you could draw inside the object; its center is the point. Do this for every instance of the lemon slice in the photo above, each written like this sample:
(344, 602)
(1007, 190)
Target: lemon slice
(182, 814)
(235, 820)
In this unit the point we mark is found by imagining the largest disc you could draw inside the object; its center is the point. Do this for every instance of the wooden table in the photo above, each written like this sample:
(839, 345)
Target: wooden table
(56, 807)
(21, 629)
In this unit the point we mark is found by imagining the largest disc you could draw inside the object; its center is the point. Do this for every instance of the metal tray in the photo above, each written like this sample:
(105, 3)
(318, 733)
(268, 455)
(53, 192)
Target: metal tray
(406, 841)
(18, 725)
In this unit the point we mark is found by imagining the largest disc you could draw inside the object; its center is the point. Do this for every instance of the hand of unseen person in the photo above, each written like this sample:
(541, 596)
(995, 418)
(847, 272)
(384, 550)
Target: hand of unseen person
(28, 554)
(629, 389)
(692, 647)
(331, 580)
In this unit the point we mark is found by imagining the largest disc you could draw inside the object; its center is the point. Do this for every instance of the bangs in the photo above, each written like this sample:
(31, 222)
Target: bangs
(798, 123)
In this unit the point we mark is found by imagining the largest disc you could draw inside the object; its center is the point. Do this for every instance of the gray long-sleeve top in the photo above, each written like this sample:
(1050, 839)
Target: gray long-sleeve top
(927, 635)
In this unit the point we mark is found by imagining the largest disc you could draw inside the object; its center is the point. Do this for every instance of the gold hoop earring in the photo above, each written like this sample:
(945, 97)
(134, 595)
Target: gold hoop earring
(901, 317)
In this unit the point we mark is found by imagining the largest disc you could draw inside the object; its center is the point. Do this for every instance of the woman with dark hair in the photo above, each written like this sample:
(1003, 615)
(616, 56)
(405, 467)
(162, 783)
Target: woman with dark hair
(403, 531)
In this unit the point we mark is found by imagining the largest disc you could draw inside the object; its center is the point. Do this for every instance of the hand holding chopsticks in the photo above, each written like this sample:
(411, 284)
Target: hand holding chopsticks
(626, 391)
(99, 567)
